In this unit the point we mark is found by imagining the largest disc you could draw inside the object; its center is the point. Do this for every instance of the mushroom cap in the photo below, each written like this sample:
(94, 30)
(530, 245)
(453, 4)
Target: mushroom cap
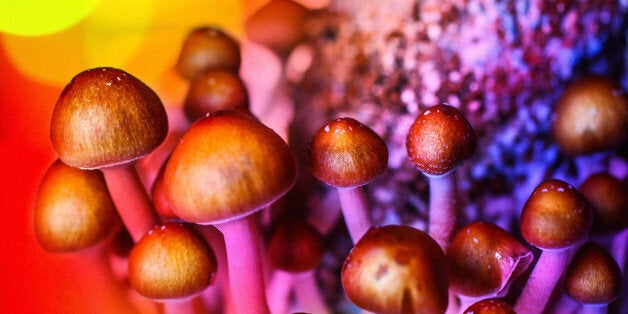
(278, 25)
(296, 246)
(205, 48)
(593, 276)
(440, 139)
(484, 260)
(556, 216)
(73, 209)
(590, 116)
(226, 166)
(105, 117)
(490, 306)
(347, 153)
(215, 90)
(162, 207)
(609, 198)
(396, 269)
(171, 261)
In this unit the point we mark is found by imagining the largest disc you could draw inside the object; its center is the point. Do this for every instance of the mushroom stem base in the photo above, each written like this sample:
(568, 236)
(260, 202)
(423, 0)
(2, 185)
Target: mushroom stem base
(443, 211)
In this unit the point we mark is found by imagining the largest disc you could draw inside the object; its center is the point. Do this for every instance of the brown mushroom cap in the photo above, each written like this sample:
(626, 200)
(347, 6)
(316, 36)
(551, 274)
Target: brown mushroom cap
(207, 48)
(593, 277)
(396, 269)
(171, 261)
(215, 90)
(556, 216)
(105, 117)
(609, 198)
(227, 165)
(278, 25)
(346, 153)
(162, 207)
(591, 116)
(484, 259)
(440, 139)
(295, 246)
(490, 306)
(73, 209)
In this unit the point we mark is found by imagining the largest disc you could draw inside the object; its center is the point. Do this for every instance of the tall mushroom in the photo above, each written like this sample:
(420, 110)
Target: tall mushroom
(105, 118)
(555, 219)
(438, 141)
(226, 167)
(347, 154)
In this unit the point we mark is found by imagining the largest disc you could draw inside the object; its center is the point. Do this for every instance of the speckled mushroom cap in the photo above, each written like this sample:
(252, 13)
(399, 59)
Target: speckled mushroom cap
(73, 209)
(490, 306)
(278, 25)
(295, 246)
(172, 261)
(593, 276)
(105, 117)
(215, 90)
(347, 153)
(484, 260)
(590, 116)
(205, 48)
(555, 216)
(440, 139)
(396, 269)
(227, 165)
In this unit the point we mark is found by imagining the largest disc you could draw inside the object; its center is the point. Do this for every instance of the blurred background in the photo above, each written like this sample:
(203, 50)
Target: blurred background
(43, 44)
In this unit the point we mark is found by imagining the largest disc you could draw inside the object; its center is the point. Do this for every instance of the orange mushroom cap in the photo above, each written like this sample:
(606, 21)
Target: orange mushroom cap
(278, 25)
(609, 199)
(227, 165)
(490, 306)
(295, 246)
(215, 90)
(593, 276)
(207, 48)
(105, 117)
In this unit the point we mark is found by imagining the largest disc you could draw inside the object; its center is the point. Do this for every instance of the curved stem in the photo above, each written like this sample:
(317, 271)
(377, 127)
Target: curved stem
(244, 262)
(131, 200)
(217, 298)
(355, 211)
(443, 211)
(278, 291)
(543, 279)
(308, 294)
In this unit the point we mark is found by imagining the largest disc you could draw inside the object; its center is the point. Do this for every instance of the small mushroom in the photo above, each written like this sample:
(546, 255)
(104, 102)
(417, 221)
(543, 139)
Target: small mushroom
(207, 48)
(490, 306)
(609, 198)
(215, 90)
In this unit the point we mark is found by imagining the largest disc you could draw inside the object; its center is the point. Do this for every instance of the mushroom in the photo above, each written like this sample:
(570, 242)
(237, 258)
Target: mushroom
(227, 166)
(396, 269)
(555, 219)
(490, 306)
(215, 90)
(593, 278)
(162, 207)
(347, 154)
(438, 141)
(207, 48)
(106, 119)
(171, 263)
(590, 116)
(484, 260)
(73, 209)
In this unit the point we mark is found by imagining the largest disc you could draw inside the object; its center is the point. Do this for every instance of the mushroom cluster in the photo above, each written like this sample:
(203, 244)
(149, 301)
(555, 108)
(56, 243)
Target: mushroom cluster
(238, 218)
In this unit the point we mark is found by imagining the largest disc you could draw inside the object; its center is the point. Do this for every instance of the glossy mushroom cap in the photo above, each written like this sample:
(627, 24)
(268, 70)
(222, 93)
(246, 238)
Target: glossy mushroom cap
(226, 166)
(490, 306)
(396, 269)
(278, 25)
(207, 48)
(73, 209)
(593, 277)
(215, 90)
(484, 260)
(295, 246)
(346, 153)
(105, 117)
(609, 199)
(556, 216)
(440, 139)
(591, 116)
(171, 261)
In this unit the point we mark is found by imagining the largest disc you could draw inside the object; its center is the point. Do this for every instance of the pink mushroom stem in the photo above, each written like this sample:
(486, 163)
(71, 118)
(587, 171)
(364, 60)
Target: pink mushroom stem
(131, 199)
(307, 293)
(443, 208)
(548, 270)
(218, 296)
(179, 307)
(619, 248)
(355, 211)
(278, 291)
(245, 266)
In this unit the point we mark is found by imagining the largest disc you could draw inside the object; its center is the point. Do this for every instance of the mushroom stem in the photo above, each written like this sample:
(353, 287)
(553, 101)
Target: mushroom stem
(224, 304)
(443, 208)
(594, 309)
(307, 293)
(131, 199)
(179, 307)
(355, 211)
(538, 289)
(245, 266)
(279, 289)
(619, 247)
